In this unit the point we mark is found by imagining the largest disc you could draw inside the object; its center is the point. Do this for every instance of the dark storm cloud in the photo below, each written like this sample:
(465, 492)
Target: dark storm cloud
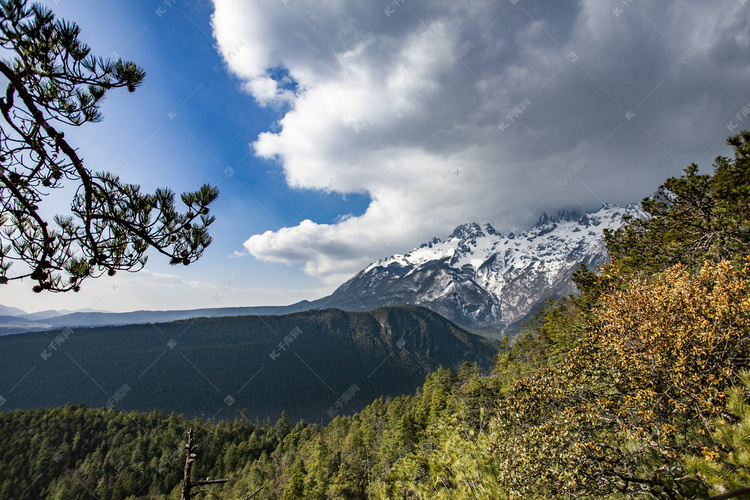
(444, 112)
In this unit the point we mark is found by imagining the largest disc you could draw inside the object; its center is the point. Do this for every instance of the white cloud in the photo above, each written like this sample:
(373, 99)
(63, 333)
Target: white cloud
(405, 107)
(267, 91)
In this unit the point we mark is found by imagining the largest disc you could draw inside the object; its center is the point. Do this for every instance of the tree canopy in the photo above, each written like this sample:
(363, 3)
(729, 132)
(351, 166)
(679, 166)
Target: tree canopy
(55, 83)
(692, 218)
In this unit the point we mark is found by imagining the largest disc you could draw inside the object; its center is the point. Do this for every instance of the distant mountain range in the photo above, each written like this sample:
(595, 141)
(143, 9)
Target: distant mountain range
(57, 319)
(478, 278)
(483, 280)
(19, 314)
(313, 365)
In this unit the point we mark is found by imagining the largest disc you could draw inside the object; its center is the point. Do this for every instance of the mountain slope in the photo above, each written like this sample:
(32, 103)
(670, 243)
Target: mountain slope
(11, 311)
(312, 365)
(481, 279)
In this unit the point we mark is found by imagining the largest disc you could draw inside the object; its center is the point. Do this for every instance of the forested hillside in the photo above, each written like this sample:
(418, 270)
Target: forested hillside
(312, 365)
(636, 388)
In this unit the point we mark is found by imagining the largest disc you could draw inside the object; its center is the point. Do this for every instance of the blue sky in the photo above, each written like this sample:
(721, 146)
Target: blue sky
(353, 131)
(185, 126)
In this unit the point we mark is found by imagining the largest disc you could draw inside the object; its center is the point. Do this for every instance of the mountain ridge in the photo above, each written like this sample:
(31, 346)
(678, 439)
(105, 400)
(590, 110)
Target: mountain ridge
(303, 363)
(483, 280)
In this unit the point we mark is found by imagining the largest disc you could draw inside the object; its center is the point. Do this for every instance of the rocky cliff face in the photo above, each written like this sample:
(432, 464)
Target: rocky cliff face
(481, 279)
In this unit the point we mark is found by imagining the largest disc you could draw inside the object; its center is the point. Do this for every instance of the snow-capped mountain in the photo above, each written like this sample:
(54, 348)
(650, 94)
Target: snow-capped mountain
(481, 279)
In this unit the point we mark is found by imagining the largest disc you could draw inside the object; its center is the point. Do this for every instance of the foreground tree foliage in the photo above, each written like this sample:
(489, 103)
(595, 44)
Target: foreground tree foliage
(728, 468)
(78, 452)
(54, 83)
(693, 218)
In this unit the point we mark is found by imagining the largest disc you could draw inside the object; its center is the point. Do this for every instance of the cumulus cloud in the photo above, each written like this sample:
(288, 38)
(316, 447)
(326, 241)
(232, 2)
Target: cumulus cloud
(444, 113)
(269, 92)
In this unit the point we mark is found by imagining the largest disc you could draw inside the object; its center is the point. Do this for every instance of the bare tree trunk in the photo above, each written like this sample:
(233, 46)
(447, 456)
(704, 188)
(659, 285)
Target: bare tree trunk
(189, 459)
(187, 483)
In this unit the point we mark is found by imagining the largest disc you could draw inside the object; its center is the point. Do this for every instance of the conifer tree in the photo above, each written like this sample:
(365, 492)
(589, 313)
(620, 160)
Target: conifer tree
(693, 218)
(54, 83)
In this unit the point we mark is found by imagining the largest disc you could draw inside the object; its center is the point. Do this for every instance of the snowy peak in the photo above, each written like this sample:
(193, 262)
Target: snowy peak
(562, 216)
(543, 220)
(430, 244)
(552, 237)
(480, 278)
(472, 231)
(569, 215)
(465, 232)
